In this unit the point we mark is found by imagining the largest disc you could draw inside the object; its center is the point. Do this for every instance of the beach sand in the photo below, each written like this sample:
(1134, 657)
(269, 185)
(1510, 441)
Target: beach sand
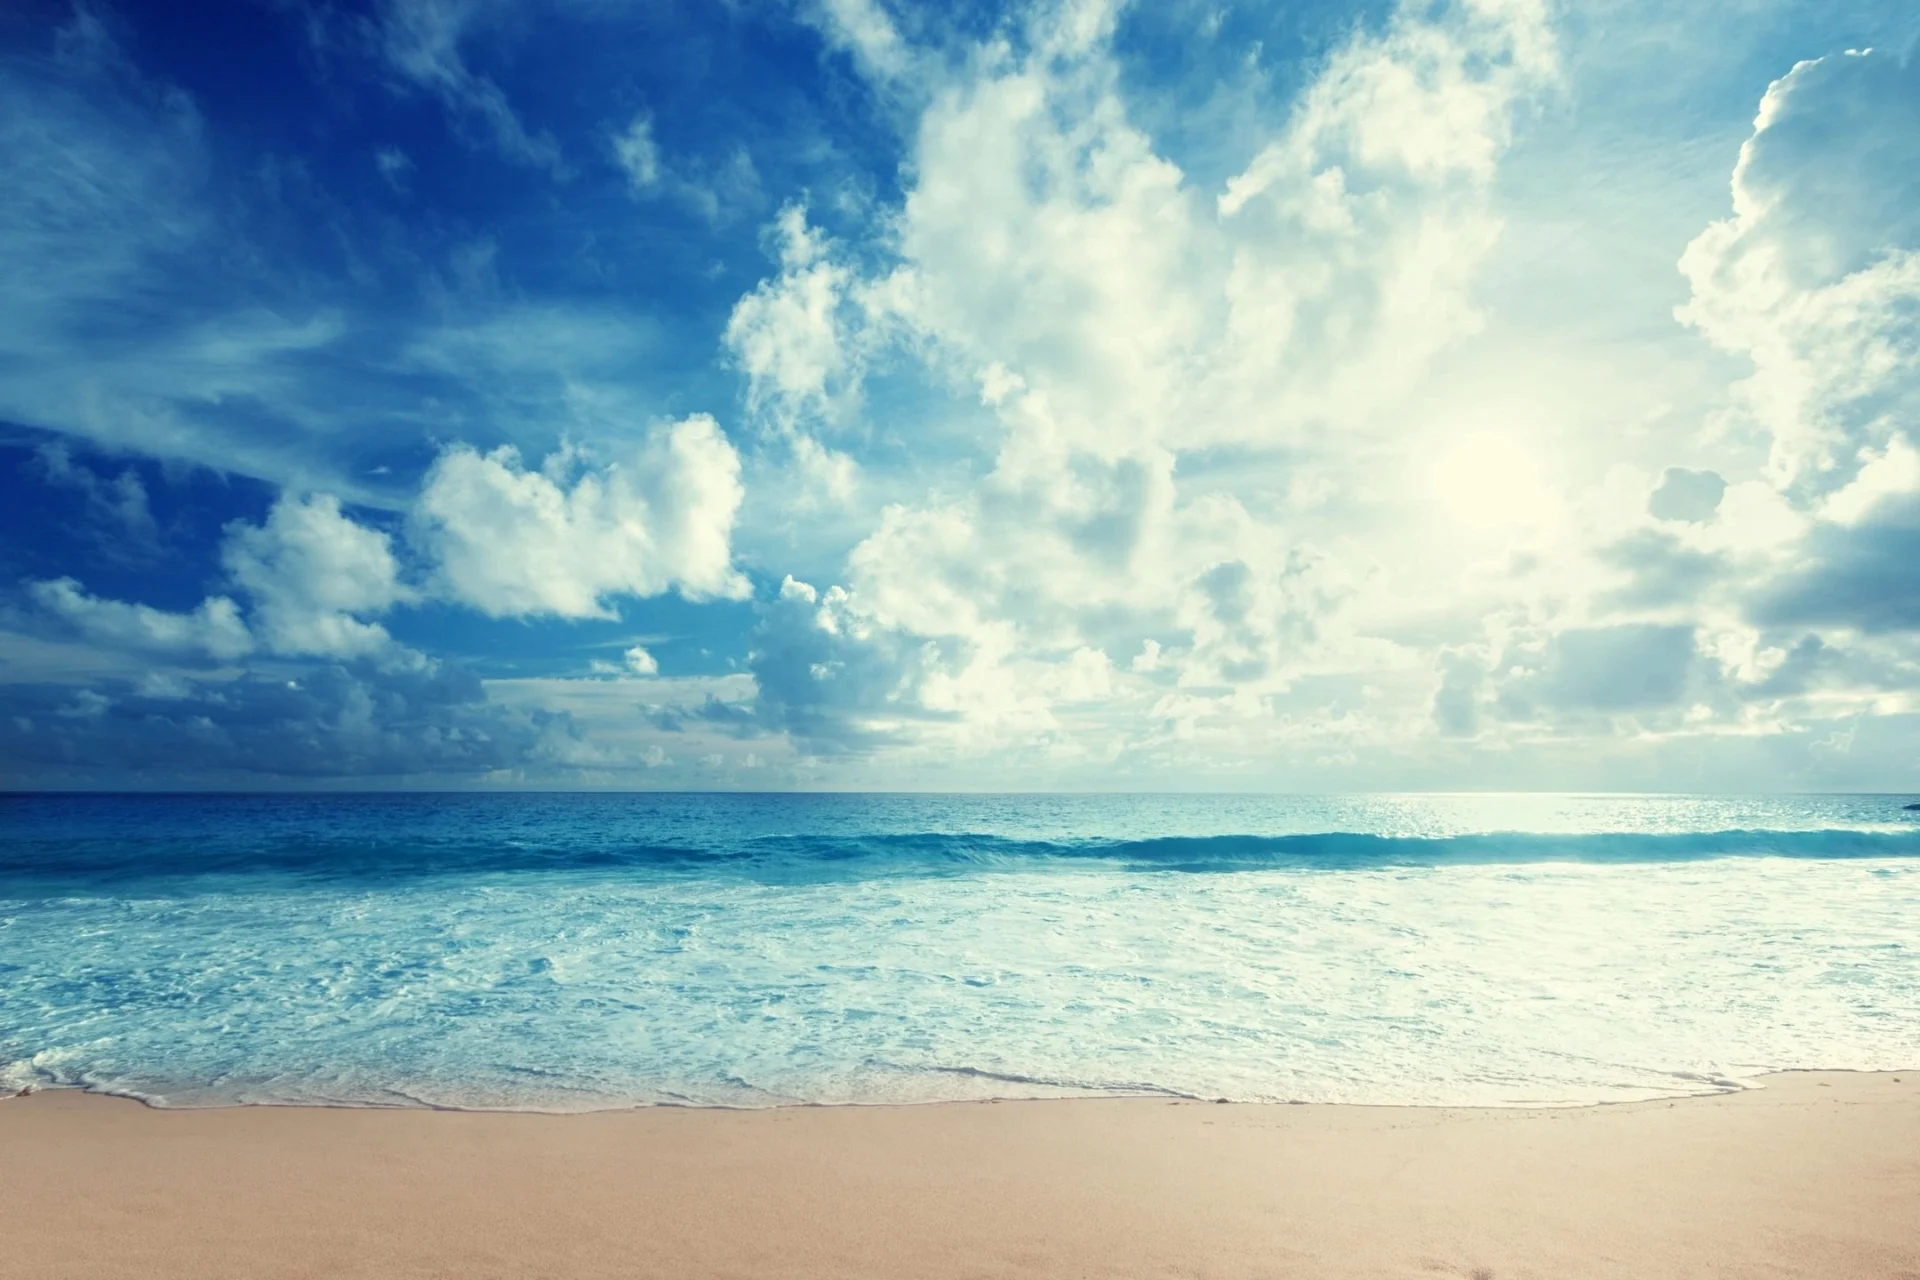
(1814, 1175)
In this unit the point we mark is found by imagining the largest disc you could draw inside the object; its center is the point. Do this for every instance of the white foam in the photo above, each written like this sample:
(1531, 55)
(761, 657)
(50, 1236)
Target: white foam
(1506, 985)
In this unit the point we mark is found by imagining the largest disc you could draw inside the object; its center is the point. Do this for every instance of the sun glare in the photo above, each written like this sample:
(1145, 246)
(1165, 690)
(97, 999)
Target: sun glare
(1490, 480)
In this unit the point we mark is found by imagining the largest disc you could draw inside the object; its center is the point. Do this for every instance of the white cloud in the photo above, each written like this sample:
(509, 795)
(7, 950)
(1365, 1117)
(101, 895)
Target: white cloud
(1049, 246)
(421, 39)
(565, 539)
(1222, 428)
(1153, 425)
(639, 155)
(718, 189)
(789, 335)
(1816, 275)
(833, 678)
(804, 339)
(120, 502)
(313, 574)
(862, 29)
(213, 630)
(1117, 319)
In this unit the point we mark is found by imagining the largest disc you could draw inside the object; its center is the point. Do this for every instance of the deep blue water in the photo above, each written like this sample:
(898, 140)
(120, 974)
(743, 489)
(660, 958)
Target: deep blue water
(578, 951)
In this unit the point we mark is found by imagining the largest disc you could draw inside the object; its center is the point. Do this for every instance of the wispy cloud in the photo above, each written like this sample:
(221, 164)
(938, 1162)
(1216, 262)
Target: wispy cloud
(422, 40)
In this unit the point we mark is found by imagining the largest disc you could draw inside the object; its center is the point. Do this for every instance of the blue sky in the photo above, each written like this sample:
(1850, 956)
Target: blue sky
(840, 393)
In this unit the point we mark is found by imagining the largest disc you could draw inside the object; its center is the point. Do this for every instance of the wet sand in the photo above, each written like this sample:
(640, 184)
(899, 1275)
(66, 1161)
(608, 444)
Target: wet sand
(1818, 1174)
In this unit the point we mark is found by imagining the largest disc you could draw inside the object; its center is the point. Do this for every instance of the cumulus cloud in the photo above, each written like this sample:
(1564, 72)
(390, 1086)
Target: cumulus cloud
(1119, 432)
(310, 575)
(1051, 250)
(1816, 275)
(311, 578)
(793, 335)
(1113, 319)
(566, 539)
(834, 679)
(214, 630)
(804, 339)
(313, 575)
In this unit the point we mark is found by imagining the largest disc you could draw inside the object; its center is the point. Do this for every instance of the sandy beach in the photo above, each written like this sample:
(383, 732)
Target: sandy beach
(1814, 1175)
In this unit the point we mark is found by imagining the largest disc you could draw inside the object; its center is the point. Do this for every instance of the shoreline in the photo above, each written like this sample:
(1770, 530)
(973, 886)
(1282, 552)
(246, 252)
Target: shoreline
(1734, 1086)
(1814, 1173)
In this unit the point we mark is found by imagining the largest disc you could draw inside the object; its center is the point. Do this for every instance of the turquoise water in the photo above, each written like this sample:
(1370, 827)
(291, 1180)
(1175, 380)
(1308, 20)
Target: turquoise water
(570, 952)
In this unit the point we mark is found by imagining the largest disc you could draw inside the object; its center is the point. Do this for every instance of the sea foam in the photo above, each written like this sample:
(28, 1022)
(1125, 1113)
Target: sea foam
(573, 953)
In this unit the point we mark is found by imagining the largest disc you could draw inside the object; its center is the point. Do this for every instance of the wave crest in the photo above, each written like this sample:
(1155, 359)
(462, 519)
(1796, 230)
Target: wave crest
(804, 857)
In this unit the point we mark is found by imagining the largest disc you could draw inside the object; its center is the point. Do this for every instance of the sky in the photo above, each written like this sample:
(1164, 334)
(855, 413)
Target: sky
(847, 394)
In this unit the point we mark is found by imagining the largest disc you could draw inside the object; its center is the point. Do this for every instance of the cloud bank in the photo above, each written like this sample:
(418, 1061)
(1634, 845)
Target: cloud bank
(1059, 394)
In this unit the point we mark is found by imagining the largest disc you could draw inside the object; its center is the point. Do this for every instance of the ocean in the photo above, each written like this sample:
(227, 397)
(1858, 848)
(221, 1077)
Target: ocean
(578, 952)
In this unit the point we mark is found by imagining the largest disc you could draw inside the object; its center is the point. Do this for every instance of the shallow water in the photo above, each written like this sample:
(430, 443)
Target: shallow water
(581, 951)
